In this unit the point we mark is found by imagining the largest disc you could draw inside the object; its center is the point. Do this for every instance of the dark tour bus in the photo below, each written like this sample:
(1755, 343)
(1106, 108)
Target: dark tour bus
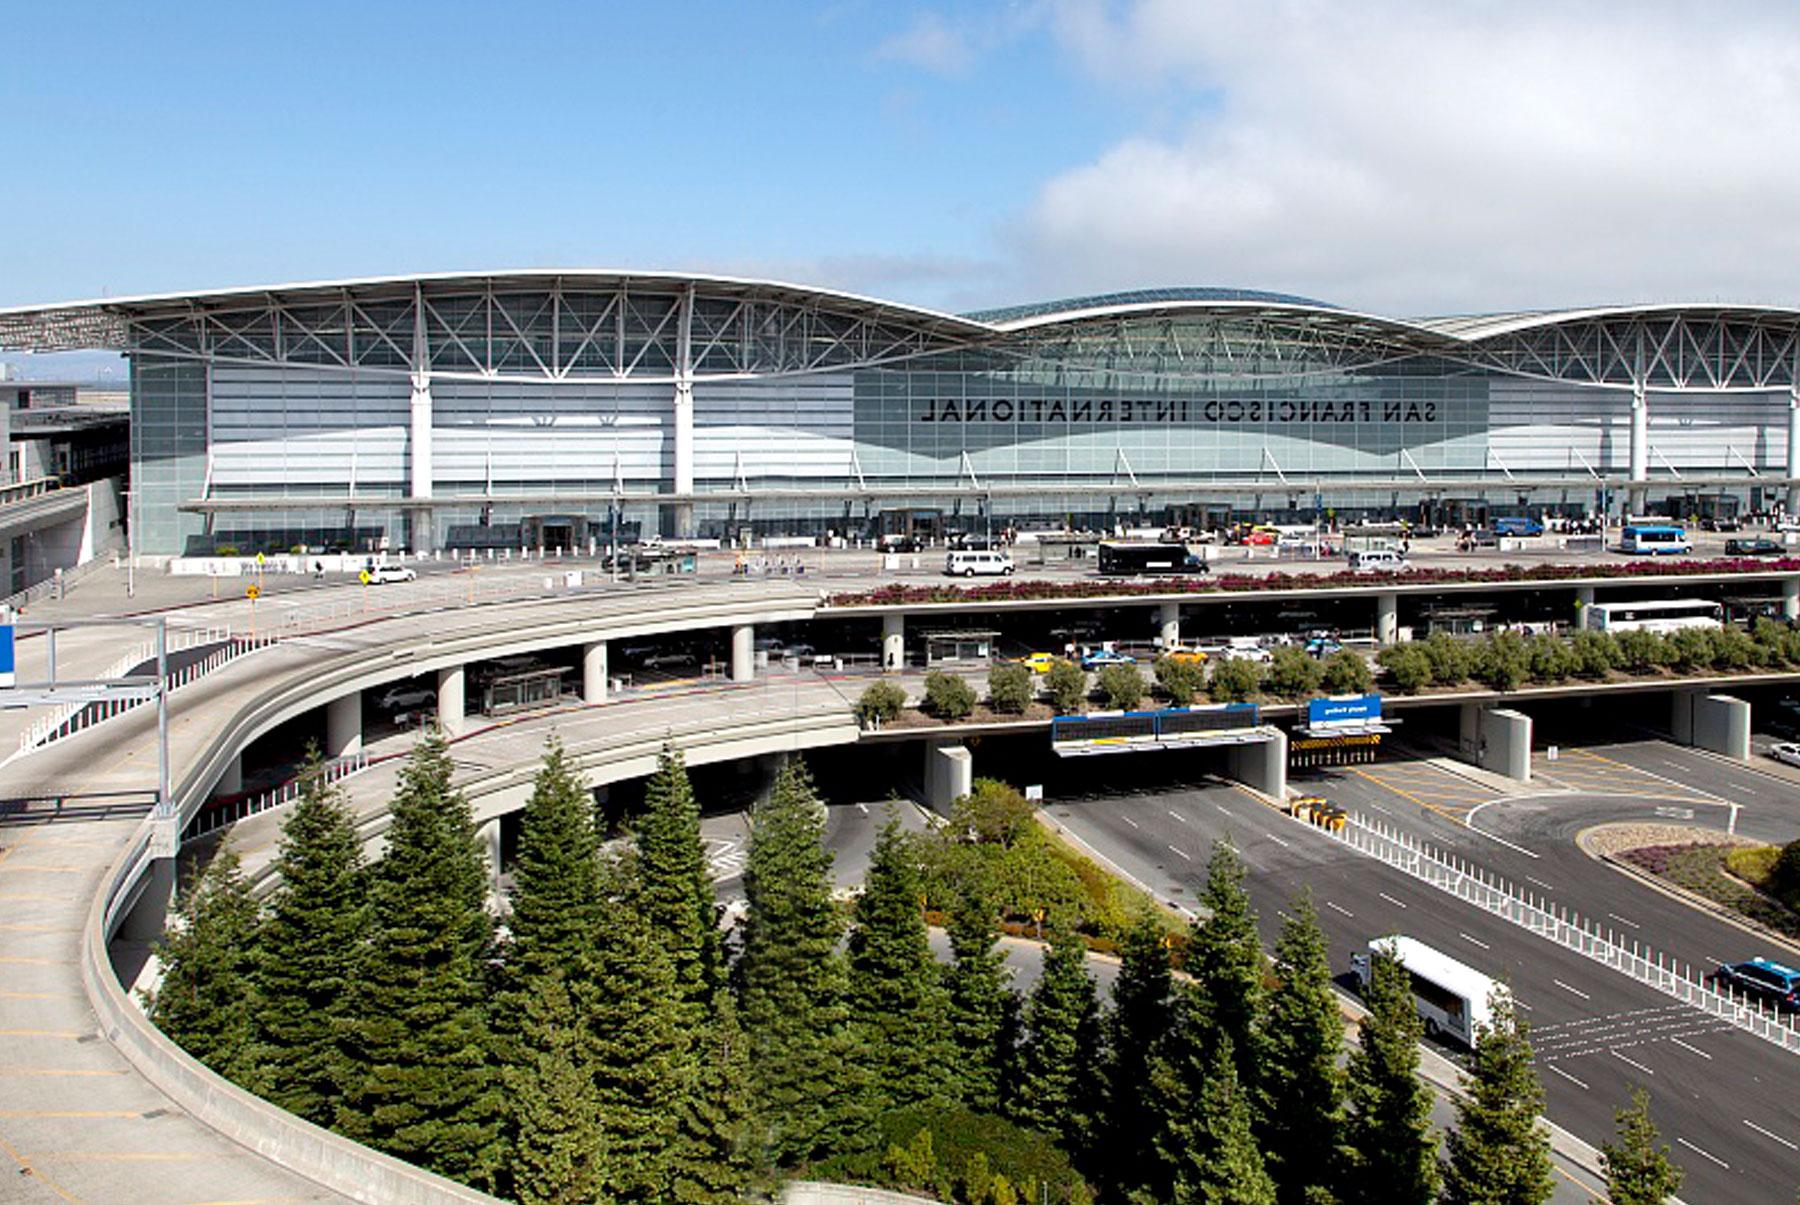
(1125, 559)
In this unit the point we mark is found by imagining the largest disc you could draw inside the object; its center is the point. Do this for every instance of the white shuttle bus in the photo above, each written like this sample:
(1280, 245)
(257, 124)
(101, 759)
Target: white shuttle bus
(1452, 998)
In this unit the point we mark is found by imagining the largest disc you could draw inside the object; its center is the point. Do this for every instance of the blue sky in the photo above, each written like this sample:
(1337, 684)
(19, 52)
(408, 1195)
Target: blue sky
(1402, 156)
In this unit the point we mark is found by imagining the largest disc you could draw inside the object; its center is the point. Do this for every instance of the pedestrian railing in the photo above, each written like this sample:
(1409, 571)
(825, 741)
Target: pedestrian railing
(216, 815)
(1500, 897)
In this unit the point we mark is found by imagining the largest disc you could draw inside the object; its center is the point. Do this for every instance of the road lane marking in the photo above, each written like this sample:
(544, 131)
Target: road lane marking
(1390, 899)
(1567, 1076)
(1380, 809)
(1693, 1049)
(1704, 1154)
(1179, 818)
(1574, 990)
(1474, 941)
(1638, 1065)
(863, 808)
(1179, 853)
(1276, 840)
(1776, 1137)
(1339, 909)
(1623, 921)
(1129, 820)
(1223, 810)
(1540, 883)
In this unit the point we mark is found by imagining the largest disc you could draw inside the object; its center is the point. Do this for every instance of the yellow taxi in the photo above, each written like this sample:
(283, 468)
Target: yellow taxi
(1186, 656)
(1038, 663)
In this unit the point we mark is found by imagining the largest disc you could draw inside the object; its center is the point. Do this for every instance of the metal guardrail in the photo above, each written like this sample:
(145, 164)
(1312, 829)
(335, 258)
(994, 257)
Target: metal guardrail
(1493, 894)
(213, 817)
(54, 586)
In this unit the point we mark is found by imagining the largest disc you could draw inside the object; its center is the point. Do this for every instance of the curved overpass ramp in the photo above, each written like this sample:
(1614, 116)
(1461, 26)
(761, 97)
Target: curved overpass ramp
(100, 1106)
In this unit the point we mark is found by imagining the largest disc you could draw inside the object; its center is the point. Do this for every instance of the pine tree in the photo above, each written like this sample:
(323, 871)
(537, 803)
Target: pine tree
(1638, 1168)
(208, 953)
(1302, 1101)
(556, 1150)
(556, 890)
(313, 951)
(1394, 1149)
(1212, 1151)
(983, 1009)
(711, 1161)
(429, 1092)
(1143, 1010)
(1499, 1153)
(805, 1095)
(1226, 959)
(897, 1001)
(678, 895)
(638, 1054)
(1058, 1060)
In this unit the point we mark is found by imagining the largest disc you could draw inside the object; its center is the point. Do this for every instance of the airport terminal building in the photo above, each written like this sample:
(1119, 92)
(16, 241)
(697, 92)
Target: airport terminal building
(551, 408)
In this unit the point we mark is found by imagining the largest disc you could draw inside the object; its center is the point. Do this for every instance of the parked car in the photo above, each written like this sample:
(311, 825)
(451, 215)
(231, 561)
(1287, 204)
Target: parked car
(1754, 546)
(406, 697)
(382, 575)
(1721, 523)
(969, 564)
(1038, 663)
(1786, 751)
(1379, 560)
(1517, 525)
(899, 544)
(1188, 656)
(1764, 979)
(1101, 658)
(669, 659)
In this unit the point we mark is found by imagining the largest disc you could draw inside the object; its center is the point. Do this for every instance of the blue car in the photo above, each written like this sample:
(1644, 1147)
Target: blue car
(1514, 525)
(1101, 658)
(1764, 979)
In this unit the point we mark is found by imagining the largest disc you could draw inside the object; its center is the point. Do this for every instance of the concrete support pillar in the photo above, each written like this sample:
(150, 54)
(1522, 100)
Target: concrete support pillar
(743, 652)
(949, 775)
(1722, 726)
(1790, 598)
(893, 643)
(1584, 598)
(1793, 448)
(1681, 715)
(231, 778)
(1261, 766)
(489, 836)
(145, 921)
(344, 725)
(1168, 617)
(450, 705)
(593, 672)
(1387, 617)
(1496, 739)
(1640, 448)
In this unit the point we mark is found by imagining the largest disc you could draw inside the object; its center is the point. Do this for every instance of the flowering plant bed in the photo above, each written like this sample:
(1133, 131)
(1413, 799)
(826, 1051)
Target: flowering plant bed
(1039, 589)
(1700, 867)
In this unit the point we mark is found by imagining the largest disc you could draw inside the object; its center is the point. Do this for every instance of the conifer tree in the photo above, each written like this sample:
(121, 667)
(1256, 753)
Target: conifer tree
(983, 1009)
(556, 1150)
(312, 954)
(1499, 1152)
(639, 1057)
(806, 1097)
(1226, 959)
(1394, 1149)
(1302, 1100)
(1143, 1009)
(429, 1091)
(208, 954)
(1211, 1148)
(678, 896)
(1059, 1058)
(1638, 1168)
(711, 1161)
(556, 889)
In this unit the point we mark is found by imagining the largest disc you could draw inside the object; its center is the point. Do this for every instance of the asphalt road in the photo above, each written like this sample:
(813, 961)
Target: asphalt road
(1726, 1100)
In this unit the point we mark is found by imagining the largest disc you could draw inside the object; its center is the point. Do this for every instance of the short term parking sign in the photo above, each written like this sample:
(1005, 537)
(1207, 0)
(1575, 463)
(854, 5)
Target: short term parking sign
(6, 654)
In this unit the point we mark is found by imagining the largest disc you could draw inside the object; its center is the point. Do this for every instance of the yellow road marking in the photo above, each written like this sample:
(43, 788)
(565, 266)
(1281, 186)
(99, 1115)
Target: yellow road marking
(37, 962)
(29, 928)
(22, 898)
(6, 995)
(41, 1033)
(1408, 795)
(26, 1166)
(63, 1071)
(70, 1113)
(47, 869)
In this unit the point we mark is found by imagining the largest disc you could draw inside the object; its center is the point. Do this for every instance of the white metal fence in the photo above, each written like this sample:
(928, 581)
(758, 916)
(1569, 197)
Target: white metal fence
(1491, 893)
(217, 816)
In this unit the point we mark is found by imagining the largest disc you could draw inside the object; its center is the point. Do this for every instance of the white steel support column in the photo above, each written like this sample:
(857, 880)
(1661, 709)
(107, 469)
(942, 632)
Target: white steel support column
(683, 424)
(1793, 448)
(344, 725)
(489, 835)
(418, 442)
(1790, 598)
(1168, 618)
(593, 672)
(1640, 448)
(450, 700)
(893, 643)
(743, 652)
(1387, 617)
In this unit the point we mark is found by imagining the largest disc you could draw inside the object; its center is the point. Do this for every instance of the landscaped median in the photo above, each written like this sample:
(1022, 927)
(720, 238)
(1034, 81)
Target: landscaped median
(1754, 884)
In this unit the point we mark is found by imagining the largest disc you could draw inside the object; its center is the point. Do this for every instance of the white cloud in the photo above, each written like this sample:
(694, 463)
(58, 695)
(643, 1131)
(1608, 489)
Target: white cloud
(930, 43)
(1429, 157)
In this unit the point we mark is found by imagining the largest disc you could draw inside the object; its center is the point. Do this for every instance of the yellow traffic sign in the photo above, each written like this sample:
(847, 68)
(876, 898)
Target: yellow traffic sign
(253, 593)
(364, 577)
(259, 559)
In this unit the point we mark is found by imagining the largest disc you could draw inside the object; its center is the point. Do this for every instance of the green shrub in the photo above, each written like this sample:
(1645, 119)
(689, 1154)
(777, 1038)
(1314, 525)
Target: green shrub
(1452, 659)
(1502, 662)
(1068, 686)
(1234, 679)
(1784, 877)
(1408, 667)
(1691, 649)
(1779, 642)
(992, 811)
(1122, 685)
(880, 702)
(947, 696)
(1643, 652)
(1180, 679)
(1733, 648)
(226, 550)
(1345, 673)
(962, 1150)
(1755, 864)
(1550, 659)
(1593, 654)
(1292, 674)
(1009, 687)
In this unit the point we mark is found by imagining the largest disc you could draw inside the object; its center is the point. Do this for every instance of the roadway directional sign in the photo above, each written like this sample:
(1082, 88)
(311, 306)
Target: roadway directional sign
(6, 654)
(253, 593)
(364, 577)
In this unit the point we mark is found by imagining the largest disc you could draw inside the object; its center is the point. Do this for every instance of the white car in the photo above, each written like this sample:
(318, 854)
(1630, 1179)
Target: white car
(382, 575)
(1787, 752)
(406, 698)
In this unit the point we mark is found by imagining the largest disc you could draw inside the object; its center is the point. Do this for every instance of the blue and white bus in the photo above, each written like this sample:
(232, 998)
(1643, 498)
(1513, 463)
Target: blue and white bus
(1653, 539)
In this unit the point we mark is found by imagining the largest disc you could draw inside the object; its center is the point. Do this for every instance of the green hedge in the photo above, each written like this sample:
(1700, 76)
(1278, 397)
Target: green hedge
(958, 1159)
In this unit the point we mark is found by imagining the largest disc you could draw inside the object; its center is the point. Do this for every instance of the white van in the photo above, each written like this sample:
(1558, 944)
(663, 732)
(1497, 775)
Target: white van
(1378, 560)
(982, 563)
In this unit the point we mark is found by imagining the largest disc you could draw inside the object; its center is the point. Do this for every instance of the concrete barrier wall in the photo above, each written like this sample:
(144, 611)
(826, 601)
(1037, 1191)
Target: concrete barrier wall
(949, 775)
(813, 1192)
(1506, 743)
(1261, 766)
(1721, 724)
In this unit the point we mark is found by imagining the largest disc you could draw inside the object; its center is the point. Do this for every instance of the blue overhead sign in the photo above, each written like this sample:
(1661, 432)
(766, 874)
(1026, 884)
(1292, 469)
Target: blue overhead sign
(6, 654)
(1343, 710)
